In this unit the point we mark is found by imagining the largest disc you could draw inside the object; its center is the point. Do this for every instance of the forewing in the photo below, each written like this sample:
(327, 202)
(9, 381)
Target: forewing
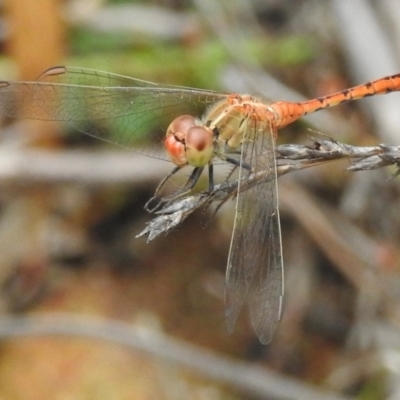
(111, 107)
(255, 270)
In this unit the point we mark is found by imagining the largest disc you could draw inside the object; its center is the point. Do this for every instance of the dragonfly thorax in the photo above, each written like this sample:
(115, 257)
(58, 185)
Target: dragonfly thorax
(233, 121)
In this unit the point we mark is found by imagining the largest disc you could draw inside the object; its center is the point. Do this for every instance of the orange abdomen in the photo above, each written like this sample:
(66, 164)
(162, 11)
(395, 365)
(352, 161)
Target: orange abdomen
(287, 112)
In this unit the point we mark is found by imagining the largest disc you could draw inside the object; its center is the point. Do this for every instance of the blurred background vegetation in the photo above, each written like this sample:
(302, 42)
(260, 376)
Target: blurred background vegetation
(70, 207)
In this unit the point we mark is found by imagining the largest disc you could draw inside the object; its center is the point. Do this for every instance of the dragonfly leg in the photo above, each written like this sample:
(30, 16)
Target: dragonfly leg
(148, 206)
(191, 182)
(237, 163)
(210, 177)
(186, 188)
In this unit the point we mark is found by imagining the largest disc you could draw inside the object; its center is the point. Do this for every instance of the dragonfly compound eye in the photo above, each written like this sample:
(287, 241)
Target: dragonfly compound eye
(181, 125)
(199, 146)
(176, 138)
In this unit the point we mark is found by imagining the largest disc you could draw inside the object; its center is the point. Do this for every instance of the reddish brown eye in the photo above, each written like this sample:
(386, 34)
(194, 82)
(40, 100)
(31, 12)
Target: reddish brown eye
(176, 150)
(176, 138)
(181, 125)
(199, 146)
(198, 138)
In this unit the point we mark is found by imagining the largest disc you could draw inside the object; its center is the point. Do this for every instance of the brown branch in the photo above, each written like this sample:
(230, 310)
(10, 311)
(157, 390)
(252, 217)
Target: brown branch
(250, 379)
(290, 158)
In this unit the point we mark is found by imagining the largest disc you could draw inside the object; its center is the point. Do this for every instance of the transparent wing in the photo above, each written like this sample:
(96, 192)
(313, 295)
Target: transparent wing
(111, 107)
(255, 270)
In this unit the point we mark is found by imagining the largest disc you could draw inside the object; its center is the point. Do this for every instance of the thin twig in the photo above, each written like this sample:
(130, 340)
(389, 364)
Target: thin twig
(291, 157)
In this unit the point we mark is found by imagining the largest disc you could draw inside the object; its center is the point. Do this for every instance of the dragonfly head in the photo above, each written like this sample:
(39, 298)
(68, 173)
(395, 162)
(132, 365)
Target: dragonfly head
(189, 143)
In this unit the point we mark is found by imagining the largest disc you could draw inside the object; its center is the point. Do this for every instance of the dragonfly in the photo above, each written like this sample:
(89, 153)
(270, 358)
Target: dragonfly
(236, 129)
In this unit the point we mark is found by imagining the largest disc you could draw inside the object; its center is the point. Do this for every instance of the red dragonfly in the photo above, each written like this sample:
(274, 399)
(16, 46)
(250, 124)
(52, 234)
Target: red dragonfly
(238, 129)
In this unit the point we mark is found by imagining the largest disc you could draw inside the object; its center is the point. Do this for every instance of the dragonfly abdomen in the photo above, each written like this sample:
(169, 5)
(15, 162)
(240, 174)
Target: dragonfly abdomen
(288, 112)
